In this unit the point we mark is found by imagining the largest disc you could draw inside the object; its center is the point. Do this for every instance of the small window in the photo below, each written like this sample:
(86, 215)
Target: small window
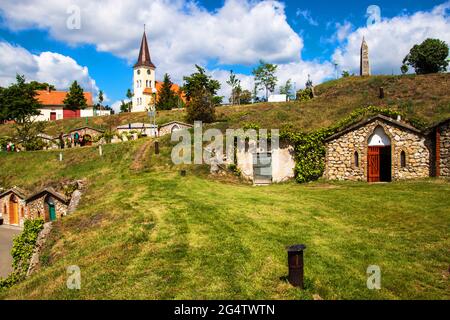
(356, 159)
(148, 71)
(403, 159)
(138, 72)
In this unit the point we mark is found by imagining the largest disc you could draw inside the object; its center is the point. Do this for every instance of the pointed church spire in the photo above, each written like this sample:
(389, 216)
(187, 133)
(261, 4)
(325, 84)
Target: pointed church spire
(144, 54)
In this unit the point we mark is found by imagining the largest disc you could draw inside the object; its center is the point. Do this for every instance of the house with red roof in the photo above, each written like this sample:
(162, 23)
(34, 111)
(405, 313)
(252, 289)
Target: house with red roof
(53, 107)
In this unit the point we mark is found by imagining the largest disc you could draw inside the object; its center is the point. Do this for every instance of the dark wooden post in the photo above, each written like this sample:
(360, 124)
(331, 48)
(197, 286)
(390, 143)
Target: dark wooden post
(381, 93)
(295, 262)
(156, 147)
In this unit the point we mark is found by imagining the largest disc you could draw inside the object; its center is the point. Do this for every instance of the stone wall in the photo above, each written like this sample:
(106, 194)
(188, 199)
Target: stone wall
(340, 156)
(37, 208)
(445, 149)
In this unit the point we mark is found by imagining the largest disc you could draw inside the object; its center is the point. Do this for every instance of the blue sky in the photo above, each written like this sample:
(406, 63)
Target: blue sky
(303, 37)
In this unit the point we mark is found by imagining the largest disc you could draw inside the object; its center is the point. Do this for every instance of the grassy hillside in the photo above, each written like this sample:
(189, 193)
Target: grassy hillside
(144, 232)
(426, 97)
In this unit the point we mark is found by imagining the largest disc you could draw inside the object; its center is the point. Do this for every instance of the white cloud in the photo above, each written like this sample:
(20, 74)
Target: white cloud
(116, 105)
(180, 33)
(390, 40)
(49, 67)
(306, 14)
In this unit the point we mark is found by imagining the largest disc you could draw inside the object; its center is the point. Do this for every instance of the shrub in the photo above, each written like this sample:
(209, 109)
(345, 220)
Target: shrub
(22, 251)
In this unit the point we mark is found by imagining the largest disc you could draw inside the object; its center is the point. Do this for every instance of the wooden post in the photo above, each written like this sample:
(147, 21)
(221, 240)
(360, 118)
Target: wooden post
(381, 93)
(156, 147)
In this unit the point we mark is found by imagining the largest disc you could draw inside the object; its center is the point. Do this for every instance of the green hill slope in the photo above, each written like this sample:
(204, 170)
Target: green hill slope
(144, 232)
(425, 97)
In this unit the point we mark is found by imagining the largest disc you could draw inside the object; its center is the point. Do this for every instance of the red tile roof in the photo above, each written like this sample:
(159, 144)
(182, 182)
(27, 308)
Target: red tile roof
(55, 98)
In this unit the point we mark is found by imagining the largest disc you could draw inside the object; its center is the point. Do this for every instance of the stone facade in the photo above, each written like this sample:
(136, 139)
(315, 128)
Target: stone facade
(38, 207)
(171, 126)
(444, 152)
(19, 215)
(347, 154)
(365, 63)
(33, 207)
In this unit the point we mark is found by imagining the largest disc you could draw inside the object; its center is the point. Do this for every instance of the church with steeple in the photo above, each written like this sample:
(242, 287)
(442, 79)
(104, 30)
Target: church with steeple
(144, 79)
(145, 86)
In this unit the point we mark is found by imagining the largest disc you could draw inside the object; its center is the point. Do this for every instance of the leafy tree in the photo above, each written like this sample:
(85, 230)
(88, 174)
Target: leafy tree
(3, 109)
(26, 133)
(200, 82)
(246, 97)
(42, 86)
(304, 95)
(19, 101)
(201, 106)
(75, 99)
(100, 98)
(125, 106)
(265, 77)
(428, 57)
(404, 69)
(167, 99)
(345, 74)
(235, 84)
(287, 88)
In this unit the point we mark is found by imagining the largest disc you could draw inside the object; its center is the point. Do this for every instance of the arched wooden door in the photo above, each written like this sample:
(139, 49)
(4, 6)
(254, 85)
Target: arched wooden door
(379, 157)
(13, 210)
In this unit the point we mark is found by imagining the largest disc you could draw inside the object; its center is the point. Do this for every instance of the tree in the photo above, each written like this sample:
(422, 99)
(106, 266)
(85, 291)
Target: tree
(428, 57)
(167, 99)
(287, 88)
(201, 106)
(42, 86)
(100, 98)
(404, 69)
(200, 82)
(19, 101)
(75, 99)
(235, 84)
(265, 77)
(27, 134)
(124, 106)
(246, 97)
(130, 96)
(345, 74)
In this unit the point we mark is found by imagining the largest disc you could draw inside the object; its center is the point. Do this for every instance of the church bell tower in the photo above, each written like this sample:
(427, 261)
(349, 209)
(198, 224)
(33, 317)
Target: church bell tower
(144, 85)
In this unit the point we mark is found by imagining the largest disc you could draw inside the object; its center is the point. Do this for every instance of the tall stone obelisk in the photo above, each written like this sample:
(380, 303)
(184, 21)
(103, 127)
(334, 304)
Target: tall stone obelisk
(365, 64)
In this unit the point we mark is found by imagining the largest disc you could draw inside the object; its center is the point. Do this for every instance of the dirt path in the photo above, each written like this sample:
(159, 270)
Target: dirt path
(139, 158)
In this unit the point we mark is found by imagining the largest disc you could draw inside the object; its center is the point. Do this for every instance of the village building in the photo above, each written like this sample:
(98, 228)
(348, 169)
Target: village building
(46, 204)
(13, 206)
(265, 167)
(146, 129)
(145, 86)
(87, 134)
(172, 126)
(16, 206)
(53, 107)
(439, 136)
(382, 149)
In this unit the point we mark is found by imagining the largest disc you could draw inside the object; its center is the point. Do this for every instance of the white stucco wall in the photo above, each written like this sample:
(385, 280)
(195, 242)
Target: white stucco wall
(140, 82)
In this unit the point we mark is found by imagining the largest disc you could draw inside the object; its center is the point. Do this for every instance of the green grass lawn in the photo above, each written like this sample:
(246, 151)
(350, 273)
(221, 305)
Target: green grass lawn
(149, 233)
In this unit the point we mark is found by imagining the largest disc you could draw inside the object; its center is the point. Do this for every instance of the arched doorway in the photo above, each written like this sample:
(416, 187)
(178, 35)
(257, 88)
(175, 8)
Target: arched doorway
(175, 128)
(51, 208)
(13, 210)
(379, 157)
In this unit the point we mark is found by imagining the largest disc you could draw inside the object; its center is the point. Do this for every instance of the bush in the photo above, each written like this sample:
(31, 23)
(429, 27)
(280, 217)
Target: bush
(22, 251)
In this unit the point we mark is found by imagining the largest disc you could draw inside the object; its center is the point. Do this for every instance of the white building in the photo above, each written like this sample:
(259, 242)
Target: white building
(144, 83)
(278, 98)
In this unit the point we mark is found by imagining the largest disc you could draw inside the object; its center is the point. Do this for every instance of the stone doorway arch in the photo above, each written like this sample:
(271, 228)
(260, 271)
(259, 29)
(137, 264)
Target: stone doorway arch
(379, 156)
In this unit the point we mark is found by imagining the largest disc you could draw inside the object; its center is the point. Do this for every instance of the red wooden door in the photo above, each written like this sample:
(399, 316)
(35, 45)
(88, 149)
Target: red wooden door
(52, 116)
(373, 166)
